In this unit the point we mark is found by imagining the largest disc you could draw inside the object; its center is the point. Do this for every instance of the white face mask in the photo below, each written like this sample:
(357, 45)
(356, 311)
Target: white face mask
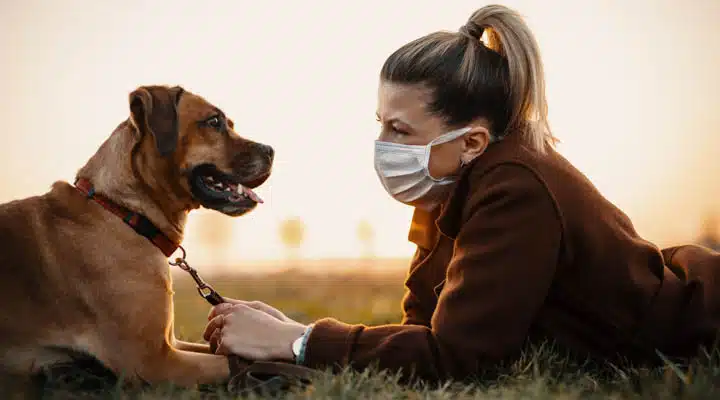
(403, 171)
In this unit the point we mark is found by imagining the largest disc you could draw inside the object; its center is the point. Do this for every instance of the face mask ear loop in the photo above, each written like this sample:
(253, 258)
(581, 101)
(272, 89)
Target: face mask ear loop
(450, 136)
(426, 161)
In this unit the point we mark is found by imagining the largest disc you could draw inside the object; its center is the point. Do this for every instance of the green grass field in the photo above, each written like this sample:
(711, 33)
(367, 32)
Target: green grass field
(375, 299)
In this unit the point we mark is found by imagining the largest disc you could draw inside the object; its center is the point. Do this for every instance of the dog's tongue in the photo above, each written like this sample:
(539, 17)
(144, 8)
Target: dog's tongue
(249, 193)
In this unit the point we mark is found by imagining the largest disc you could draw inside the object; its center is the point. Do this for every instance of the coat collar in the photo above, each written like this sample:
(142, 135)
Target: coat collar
(447, 219)
(450, 216)
(444, 219)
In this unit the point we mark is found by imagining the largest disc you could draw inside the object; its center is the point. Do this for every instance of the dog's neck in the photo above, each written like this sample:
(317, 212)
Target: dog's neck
(110, 172)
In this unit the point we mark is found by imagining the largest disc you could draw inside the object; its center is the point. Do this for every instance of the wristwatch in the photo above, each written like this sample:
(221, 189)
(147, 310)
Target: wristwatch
(297, 347)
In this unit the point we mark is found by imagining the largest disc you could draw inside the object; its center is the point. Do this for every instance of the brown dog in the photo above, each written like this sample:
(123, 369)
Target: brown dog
(74, 274)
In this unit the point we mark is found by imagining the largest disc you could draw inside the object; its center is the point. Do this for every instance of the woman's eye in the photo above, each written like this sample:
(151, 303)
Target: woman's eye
(398, 131)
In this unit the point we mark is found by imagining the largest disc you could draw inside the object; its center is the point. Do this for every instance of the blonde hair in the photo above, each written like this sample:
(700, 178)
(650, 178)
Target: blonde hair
(501, 80)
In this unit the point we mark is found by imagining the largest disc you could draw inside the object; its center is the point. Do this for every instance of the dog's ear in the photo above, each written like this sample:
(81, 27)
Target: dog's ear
(153, 110)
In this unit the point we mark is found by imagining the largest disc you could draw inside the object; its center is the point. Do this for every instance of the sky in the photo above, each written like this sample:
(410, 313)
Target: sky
(632, 91)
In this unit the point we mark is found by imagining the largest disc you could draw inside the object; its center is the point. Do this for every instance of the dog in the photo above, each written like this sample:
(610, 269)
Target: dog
(84, 266)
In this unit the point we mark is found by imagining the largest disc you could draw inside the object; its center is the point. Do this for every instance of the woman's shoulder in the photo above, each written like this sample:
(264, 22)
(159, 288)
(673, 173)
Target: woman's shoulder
(511, 168)
(529, 169)
(497, 189)
(527, 177)
(509, 184)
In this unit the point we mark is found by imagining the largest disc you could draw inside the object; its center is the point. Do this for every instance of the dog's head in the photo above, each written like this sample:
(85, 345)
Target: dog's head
(194, 144)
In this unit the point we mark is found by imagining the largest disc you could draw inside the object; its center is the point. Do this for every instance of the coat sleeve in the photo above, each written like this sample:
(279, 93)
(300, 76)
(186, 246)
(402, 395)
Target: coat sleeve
(413, 312)
(501, 271)
(690, 261)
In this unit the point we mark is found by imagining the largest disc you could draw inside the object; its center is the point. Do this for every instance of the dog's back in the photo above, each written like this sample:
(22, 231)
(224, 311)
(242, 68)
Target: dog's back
(55, 275)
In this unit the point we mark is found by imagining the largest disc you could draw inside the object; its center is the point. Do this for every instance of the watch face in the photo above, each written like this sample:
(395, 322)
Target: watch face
(296, 346)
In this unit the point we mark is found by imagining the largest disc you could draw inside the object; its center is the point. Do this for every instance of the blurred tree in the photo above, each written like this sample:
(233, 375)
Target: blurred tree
(366, 236)
(709, 236)
(292, 234)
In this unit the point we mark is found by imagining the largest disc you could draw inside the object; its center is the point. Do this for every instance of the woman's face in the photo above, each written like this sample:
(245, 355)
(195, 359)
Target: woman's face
(404, 118)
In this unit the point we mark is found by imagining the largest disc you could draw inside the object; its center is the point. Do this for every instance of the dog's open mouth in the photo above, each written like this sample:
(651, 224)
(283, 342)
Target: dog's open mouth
(234, 191)
(217, 190)
(237, 191)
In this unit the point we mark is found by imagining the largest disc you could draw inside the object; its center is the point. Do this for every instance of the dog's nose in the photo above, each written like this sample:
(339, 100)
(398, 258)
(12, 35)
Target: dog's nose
(267, 150)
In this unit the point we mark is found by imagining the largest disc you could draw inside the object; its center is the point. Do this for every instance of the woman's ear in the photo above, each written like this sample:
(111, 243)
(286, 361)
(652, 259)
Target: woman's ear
(476, 141)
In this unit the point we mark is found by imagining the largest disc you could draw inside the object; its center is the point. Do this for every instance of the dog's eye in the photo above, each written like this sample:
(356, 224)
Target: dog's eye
(213, 122)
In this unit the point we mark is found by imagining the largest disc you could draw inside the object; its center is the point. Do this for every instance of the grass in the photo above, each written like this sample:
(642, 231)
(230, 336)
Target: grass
(542, 373)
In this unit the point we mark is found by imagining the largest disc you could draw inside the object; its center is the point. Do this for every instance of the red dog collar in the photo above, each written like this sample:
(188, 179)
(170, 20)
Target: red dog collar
(138, 222)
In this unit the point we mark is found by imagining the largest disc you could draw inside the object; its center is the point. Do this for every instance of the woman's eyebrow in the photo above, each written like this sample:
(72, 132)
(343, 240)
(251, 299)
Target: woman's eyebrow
(392, 120)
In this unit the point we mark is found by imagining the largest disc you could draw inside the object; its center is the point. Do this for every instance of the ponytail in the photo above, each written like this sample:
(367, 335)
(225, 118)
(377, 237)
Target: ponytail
(500, 78)
(508, 34)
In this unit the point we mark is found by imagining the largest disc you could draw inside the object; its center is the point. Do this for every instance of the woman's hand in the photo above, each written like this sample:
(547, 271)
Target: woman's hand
(258, 305)
(236, 328)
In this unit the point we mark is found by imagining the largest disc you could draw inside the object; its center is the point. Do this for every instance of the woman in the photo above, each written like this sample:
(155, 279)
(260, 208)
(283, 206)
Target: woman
(513, 242)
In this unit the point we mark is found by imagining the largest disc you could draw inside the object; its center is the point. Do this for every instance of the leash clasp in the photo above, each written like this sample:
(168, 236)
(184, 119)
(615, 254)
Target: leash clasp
(206, 291)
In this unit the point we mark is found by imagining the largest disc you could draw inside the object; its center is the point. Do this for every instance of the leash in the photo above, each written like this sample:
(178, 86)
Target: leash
(204, 289)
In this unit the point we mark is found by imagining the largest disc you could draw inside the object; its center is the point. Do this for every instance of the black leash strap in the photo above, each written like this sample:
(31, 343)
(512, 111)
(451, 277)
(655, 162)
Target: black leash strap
(206, 291)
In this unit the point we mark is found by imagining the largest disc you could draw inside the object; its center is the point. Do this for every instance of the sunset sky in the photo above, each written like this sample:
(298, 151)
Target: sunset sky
(632, 85)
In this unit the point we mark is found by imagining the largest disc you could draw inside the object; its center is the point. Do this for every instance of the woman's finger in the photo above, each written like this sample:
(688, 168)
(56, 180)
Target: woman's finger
(260, 306)
(215, 323)
(215, 339)
(267, 309)
(221, 347)
(222, 308)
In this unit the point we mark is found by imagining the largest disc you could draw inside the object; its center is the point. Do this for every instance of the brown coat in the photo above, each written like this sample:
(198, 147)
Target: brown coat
(527, 246)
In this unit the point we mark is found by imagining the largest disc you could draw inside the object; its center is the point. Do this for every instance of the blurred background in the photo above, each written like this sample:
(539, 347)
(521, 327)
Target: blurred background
(633, 90)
